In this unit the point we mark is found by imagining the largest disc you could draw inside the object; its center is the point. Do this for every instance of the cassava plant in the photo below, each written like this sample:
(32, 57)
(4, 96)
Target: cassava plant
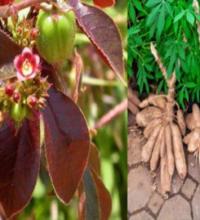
(38, 116)
(174, 26)
(163, 127)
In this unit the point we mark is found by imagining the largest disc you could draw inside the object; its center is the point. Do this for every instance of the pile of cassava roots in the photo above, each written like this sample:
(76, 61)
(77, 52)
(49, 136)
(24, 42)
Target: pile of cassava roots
(164, 128)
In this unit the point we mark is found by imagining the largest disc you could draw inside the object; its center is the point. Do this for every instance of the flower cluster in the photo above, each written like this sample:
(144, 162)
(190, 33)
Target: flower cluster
(28, 92)
(23, 32)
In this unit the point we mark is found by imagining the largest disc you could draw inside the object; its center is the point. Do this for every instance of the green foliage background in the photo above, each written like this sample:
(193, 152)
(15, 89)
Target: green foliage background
(103, 92)
(172, 26)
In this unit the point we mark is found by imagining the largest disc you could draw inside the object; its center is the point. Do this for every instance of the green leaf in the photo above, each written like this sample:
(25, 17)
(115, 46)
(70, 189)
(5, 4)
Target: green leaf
(139, 6)
(133, 30)
(190, 85)
(190, 18)
(160, 85)
(197, 17)
(131, 13)
(161, 23)
(179, 16)
(153, 15)
(152, 3)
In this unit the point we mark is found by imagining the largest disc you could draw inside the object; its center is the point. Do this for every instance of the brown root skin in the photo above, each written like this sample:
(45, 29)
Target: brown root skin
(165, 178)
(169, 150)
(193, 123)
(147, 115)
(178, 151)
(196, 114)
(156, 151)
(151, 126)
(181, 121)
(148, 147)
(194, 140)
(190, 123)
(187, 138)
(155, 100)
(163, 144)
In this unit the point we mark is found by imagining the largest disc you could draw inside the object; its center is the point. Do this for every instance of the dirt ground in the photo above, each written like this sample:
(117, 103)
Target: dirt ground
(145, 201)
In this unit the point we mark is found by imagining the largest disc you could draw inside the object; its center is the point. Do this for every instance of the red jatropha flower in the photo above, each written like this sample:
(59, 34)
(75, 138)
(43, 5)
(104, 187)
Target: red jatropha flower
(27, 64)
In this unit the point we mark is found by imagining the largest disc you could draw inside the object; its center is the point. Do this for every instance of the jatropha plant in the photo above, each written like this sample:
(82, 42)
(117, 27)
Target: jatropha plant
(36, 114)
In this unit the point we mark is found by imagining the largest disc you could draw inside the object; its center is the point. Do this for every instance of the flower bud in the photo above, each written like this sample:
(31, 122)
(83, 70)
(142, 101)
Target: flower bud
(16, 96)
(32, 101)
(9, 90)
(34, 33)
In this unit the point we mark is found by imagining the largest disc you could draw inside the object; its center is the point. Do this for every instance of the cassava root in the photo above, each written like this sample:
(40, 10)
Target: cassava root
(193, 124)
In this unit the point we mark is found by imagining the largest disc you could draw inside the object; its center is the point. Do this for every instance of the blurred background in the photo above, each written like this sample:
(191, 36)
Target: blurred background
(101, 91)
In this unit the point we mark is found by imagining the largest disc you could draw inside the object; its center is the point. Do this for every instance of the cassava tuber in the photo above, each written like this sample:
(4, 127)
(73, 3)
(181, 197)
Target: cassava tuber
(193, 124)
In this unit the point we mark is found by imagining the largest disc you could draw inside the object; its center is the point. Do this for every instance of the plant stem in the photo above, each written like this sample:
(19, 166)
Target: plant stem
(170, 82)
(8, 10)
(113, 113)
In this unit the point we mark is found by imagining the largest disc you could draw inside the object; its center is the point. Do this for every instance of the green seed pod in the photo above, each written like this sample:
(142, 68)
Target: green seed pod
(18, 112)
(55, 41)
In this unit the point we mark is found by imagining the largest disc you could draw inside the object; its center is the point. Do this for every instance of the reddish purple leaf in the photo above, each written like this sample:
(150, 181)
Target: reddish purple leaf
(94, 160)
(91, 203)
(67, 143)
(8, 49)
(103, 33)
(20, 161)
(97, 202)
(105, 201)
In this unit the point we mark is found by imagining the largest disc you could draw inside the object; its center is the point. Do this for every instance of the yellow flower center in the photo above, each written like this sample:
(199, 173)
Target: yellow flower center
(27, 68)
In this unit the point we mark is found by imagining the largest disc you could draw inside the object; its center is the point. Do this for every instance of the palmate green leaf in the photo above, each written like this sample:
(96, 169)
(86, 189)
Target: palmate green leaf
(153, 15)
(171, 25)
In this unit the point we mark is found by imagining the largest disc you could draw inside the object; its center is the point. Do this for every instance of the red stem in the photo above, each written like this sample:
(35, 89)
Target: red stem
(8, 10)
(113, 113)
